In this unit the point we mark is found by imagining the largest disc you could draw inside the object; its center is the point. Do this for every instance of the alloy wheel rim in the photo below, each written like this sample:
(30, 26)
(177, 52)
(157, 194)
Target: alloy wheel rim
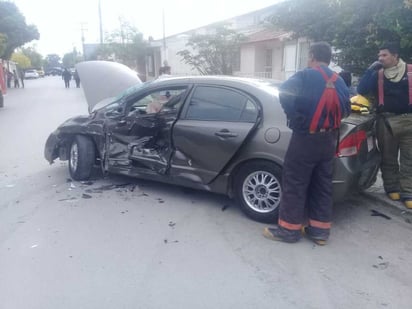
(261, 191)
(74, 156)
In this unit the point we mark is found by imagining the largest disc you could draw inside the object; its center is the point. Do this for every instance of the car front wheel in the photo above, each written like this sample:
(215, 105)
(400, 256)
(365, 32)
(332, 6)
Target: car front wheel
(82, 157)
(258, 190)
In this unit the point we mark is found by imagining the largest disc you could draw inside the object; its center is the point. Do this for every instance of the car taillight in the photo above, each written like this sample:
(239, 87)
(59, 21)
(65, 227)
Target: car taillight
(351, 144)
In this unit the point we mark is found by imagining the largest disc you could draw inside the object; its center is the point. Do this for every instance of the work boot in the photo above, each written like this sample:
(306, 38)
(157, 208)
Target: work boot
(318, 238)
(279, 233)
(394, 196)
(408, 203)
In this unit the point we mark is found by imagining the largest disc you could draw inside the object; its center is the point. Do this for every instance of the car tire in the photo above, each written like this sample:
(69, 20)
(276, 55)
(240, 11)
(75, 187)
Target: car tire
(258, 191)
(81, 157)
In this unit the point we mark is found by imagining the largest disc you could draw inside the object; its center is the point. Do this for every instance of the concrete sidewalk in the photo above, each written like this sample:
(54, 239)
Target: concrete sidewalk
(377, 194)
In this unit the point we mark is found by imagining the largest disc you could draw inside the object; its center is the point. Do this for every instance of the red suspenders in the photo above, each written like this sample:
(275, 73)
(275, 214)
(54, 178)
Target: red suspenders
(380, 85)
(329, 101)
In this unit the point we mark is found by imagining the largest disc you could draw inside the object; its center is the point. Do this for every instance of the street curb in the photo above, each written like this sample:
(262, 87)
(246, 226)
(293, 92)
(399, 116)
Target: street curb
(383, 199)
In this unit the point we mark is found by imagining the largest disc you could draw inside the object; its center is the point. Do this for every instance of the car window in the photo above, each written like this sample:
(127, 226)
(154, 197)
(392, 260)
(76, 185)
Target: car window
(220, 104)
(249, 113)
(155, 101)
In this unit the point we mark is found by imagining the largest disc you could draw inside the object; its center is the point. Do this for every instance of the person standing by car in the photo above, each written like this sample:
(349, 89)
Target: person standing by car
(16, 79)
(67, 76)
(9, 78)
(390, 81)
(21, 76)
(314, 101)
(76, 78)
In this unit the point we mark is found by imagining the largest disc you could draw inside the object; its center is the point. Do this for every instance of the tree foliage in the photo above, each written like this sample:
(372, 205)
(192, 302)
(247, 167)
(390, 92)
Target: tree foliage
(22, 60)
(213, 54)
(51, 61)
(70, 59)
(13, 27)
(356, 28)
(36, 59)
(125, 45)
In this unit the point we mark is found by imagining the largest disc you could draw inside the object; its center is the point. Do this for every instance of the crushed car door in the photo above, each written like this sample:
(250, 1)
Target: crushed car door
(215, 123)
(142, 138)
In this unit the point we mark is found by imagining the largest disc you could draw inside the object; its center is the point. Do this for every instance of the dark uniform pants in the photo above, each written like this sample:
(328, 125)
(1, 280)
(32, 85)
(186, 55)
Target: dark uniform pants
(395, 143)
(307, 182)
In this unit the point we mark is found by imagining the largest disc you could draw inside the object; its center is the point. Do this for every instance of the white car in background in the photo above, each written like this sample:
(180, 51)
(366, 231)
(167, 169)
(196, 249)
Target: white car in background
(30, 74)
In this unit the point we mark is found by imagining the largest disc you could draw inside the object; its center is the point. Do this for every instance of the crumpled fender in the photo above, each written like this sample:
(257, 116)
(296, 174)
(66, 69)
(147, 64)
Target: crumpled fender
(59, 141)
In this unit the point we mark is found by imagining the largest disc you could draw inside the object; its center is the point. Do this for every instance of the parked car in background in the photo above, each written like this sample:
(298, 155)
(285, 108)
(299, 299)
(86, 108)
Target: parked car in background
(54, 71)
(221, 134)
(40, 72)
(31, 74)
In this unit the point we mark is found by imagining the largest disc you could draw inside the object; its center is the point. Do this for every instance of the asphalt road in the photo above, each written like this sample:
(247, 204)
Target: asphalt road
(123, 243)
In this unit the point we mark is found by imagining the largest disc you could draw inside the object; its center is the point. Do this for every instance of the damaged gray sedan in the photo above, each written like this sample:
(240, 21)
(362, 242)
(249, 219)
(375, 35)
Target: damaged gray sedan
(226, 135)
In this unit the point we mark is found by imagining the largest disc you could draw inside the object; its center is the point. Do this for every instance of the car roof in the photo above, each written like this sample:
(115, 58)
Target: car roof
(218, 79)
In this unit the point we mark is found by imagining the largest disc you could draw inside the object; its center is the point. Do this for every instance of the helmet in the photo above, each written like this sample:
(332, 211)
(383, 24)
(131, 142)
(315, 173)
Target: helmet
(359, 104)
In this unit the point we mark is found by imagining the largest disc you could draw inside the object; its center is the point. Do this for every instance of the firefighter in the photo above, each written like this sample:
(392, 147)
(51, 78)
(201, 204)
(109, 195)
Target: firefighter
(314, 101)
(390, 80)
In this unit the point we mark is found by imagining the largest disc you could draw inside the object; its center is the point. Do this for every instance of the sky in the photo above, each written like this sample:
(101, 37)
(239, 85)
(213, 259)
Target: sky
(61, 23)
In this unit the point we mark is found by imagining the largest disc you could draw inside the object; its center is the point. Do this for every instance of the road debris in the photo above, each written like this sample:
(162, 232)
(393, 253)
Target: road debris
(376, 213)
(382, 265)
(169, 242)
(87, 183)
(225, 207)
(110, 187)
(67, 199)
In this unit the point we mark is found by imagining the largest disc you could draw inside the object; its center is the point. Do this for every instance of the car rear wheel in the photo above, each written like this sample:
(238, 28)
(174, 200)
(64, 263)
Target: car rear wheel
(82, 157)
(258, 190)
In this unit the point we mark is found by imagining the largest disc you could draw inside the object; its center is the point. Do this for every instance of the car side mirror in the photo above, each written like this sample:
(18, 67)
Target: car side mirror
(114, 113)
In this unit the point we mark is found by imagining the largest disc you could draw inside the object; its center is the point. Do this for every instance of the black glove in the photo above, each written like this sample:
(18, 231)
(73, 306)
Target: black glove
(375, 66)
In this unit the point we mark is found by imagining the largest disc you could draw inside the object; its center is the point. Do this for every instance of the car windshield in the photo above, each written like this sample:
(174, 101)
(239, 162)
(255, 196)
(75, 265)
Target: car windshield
(131, 90)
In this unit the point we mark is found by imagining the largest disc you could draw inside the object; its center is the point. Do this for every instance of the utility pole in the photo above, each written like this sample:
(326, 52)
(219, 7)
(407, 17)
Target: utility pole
(100, 23)
(83, 29)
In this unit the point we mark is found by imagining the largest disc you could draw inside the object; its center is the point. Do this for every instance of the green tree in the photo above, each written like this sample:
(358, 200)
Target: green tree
(36, 59)
(22, 60)
(52, 61)
(213, 53)
(70, 59)
(13, 26)
(125, 45)
(3, 43)
(356, 28)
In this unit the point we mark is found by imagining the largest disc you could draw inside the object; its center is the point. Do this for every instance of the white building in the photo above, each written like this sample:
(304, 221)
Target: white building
(267, 53)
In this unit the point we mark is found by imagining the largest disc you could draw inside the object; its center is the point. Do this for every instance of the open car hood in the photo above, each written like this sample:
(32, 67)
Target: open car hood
(104, 79)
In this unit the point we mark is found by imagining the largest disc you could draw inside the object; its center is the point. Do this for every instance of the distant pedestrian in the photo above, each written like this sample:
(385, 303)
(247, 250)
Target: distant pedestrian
(77, 78)
(9, 77)
(16, 79)
(66, 76)
(21, 75)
